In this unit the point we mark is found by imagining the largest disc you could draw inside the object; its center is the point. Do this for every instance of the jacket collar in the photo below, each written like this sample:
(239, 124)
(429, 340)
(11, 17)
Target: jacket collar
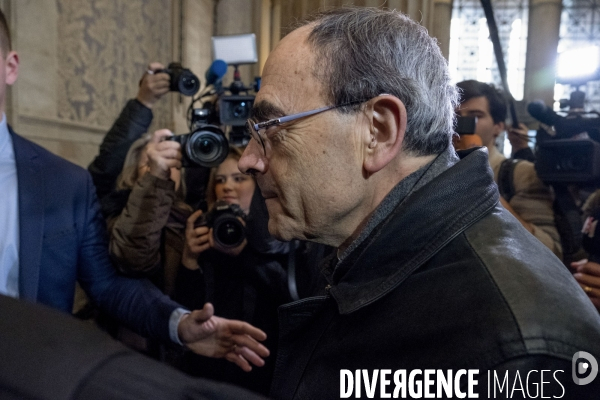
(31, 214)
(435, 210)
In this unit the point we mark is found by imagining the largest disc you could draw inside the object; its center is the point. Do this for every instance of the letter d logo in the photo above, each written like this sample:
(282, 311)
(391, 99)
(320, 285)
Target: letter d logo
(590, 364)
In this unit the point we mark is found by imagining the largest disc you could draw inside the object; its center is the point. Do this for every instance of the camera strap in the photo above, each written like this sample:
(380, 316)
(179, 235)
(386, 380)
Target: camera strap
(506, 175)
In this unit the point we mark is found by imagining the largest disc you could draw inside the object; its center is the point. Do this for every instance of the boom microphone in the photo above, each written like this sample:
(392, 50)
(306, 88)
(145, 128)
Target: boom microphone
(540, 111)
(215, 72)
(565, 127)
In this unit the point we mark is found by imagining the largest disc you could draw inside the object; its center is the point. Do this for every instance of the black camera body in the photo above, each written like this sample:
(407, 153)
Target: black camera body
(205, 147)
(568, 161)
(235, 110)
(182, 79)
(224, 219)
(572, 154)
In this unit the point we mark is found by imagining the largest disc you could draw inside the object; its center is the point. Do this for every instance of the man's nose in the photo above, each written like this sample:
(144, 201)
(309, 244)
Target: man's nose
(253, 160)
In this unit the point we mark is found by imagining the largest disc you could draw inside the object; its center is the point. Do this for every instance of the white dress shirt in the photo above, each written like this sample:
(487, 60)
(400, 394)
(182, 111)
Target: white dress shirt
(9, 215)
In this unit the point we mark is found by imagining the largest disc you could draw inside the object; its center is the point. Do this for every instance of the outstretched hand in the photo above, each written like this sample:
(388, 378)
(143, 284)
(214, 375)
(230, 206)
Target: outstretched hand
(236, 341)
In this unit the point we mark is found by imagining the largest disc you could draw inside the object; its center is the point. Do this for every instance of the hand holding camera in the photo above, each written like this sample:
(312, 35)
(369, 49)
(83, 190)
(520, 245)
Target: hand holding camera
(518, 137)
(163, 154)
(223, 228)
(153, 85)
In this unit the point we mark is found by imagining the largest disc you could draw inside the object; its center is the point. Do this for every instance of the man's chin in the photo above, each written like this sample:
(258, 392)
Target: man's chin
(281, 225)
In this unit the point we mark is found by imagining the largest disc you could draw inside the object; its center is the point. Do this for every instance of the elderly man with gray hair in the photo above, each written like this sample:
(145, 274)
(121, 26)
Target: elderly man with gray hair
(435, 290)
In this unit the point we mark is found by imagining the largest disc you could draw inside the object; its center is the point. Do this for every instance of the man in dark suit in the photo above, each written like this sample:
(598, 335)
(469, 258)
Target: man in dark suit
(53, 235)
(47, 355)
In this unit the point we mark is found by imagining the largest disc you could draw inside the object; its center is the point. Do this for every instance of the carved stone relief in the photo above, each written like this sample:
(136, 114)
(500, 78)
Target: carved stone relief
(104, 47)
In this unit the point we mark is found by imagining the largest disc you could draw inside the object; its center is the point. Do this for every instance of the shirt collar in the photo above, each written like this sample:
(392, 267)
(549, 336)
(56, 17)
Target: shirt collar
(4, 135)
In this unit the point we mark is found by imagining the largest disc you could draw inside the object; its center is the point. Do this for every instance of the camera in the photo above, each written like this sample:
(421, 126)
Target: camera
(235, 110)
(465, 137)
(224, 219)
(205, 146)
(571, 154)
(182, 79)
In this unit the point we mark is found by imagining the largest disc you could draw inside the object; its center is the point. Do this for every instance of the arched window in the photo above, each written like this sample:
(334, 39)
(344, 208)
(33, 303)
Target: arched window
(471, 50)
(579, 37)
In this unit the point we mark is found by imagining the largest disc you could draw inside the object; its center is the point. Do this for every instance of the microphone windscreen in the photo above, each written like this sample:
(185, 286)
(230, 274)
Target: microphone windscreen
(543, 113)
(215, 72)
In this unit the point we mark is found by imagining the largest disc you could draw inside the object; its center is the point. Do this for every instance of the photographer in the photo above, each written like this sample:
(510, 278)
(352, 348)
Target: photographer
(146, 237)
(247, 281)
(527, 198)
(132, 123)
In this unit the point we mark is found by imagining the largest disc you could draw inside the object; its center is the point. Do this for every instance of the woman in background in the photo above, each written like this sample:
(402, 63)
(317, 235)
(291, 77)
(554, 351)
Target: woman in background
(247, 282)
(147, 224)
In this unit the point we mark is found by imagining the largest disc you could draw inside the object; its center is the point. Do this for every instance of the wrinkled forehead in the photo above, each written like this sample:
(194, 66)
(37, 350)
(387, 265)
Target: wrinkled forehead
(288, 83)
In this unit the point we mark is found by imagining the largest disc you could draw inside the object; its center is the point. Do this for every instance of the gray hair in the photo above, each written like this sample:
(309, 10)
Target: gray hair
(365, 52)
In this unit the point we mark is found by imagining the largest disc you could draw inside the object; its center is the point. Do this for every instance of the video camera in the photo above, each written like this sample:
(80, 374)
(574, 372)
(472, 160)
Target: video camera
(229, 107)
(206, 145)
(568, 144)
(568, 147)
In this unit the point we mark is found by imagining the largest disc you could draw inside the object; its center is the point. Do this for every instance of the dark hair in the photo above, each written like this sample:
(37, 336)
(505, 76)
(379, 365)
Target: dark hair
(5, 41)
(472, 88)
(364, 52)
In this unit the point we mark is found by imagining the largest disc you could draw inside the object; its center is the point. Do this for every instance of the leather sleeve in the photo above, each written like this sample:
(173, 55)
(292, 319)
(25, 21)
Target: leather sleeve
(135, 235)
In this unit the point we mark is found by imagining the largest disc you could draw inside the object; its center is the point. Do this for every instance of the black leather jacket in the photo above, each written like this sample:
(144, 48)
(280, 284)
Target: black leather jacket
(444, 278)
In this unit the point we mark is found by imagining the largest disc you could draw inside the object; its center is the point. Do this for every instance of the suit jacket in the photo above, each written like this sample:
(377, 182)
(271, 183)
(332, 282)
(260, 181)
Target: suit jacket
(63, 240)
(48, 356)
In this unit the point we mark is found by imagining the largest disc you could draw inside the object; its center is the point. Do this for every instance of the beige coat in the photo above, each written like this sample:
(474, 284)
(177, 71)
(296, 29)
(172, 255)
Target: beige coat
(532, 201)
(145, 239)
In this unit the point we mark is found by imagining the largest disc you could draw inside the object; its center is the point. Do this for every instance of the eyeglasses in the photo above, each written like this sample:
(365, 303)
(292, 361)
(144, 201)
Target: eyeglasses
(258, 130)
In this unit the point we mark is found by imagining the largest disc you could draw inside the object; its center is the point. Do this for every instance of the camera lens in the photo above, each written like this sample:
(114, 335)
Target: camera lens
(207, 148)
(188, 83)
(228, 231)
(241, 110)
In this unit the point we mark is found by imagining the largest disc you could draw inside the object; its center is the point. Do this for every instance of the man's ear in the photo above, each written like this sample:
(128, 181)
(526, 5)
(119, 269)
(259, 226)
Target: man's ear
(387, 118)
(11, 64)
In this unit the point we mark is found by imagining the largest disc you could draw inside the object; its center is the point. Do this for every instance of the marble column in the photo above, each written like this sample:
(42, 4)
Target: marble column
(440, 27)
(542, 41)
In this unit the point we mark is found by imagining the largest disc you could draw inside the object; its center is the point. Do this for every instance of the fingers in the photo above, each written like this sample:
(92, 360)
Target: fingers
(154, 66)
(238, 360)
(163, 154)
(590, 284)
(160, 135)
(192, 220)
(168, 149)
(590, 268)
(579, 264)
(198, 246)
(244, 328)
(250, 356)
(593, 293)
(204, 314)
(196, 238)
